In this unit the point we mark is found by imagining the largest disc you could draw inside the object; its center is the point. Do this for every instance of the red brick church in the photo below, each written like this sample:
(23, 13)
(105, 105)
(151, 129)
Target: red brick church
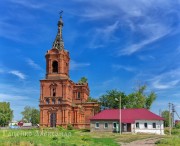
(62, 101)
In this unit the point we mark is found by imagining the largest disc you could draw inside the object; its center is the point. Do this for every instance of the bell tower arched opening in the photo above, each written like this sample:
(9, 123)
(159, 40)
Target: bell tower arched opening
(55, 67)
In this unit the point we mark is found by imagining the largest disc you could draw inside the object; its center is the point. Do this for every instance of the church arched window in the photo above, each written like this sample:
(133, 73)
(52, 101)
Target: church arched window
(54, 92)
(79, 95)
(59, 101)
(53, 101)
(55, 67)
(47, 101)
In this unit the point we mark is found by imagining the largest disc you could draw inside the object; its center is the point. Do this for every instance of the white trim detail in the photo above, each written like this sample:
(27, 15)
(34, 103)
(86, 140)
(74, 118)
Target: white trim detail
(96, 125)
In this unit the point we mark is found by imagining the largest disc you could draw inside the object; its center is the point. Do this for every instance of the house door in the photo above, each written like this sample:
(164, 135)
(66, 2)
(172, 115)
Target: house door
(128, 127)
(53, 119)
(124, 129)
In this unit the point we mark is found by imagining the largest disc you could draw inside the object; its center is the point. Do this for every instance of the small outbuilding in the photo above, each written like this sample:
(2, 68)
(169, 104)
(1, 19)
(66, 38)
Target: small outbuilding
(131, 120)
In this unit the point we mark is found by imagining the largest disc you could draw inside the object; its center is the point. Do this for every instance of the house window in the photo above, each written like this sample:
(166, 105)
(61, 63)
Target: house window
(145, 125)
(105, 125)
(53, 101)
(154, 125)
(47, 101)
(114, 125)
(97, 125)
(55, 67)
(137, 125)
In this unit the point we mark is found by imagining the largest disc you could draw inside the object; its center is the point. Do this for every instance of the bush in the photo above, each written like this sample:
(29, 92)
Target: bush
(85, 130)
(176, 131)
(85, 139)
(60, 128)
(166, 131)
(69, 127)
(178, 125)
(54, 138)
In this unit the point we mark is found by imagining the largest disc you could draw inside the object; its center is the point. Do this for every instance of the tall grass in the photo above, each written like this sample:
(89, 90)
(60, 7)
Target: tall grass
(173, 140)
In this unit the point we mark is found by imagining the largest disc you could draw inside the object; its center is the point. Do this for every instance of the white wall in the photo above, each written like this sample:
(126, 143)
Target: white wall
(158, 130)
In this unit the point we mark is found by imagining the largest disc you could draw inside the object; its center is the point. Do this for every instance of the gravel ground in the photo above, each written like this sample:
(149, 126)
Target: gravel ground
(143, 142)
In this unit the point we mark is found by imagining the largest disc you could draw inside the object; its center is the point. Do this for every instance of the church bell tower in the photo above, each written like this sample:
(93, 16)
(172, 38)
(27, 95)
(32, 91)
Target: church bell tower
(62, 101)
(57, 59)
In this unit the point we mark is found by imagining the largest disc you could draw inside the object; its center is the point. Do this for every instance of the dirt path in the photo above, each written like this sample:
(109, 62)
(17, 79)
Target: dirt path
(143, 142)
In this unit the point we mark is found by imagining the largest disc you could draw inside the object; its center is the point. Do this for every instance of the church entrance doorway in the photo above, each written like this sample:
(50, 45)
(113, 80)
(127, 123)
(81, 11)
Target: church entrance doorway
(53, 119)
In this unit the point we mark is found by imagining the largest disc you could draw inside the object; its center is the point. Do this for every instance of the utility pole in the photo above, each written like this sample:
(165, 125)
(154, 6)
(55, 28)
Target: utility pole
(160, 114)
(173, 111)
(120, 128)
(169, 118)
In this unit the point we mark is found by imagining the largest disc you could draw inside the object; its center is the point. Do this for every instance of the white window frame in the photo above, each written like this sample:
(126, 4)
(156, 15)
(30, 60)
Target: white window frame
(153, 125)
(145, 126)
(107, 125)
(113, 125)
(96, 125)
(137, 123)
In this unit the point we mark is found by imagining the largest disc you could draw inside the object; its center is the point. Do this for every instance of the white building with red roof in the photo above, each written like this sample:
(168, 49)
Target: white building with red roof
(132, 120)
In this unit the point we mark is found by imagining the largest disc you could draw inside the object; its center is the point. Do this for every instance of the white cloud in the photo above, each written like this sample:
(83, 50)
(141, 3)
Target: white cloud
(75, 65)
(178, 50)
(29, 4)
(102, 36)
(18, 74)
(11, 97)
(149, 19)
(166, 80)
(158, 85)
(127, 68)
(153, 33)
(10, 31)
(146, 57)
(1, 71)
(33, 64)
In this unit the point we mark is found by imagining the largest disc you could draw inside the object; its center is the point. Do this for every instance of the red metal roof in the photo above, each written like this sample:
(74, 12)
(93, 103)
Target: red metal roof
(127, 115)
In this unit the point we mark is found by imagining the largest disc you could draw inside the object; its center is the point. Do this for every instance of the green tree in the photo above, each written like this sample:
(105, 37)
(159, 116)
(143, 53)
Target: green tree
(165, 115)
(6, 114)
(31, 115)
(83, 80)
(137, 99)
(27, 113)
(112, 99)
(90, 99)
(35, 115)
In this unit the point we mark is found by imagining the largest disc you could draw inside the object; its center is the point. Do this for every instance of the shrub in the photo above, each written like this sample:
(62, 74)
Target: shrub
(178, 125)
(69, 127)
(60, 128)
(166, 131)
(85, 139)
(54, 138)
(85, 130)
(176, 131)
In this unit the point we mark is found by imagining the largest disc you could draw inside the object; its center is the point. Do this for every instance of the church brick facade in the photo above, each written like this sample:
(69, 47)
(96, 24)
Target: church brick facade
(62, 101)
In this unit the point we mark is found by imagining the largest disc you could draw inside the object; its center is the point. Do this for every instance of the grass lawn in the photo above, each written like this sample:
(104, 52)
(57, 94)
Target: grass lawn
(173, 140)
(59, 137)
(52, 137)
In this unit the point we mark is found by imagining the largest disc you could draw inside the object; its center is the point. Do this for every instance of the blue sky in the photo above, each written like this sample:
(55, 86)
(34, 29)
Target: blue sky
(116, 44)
